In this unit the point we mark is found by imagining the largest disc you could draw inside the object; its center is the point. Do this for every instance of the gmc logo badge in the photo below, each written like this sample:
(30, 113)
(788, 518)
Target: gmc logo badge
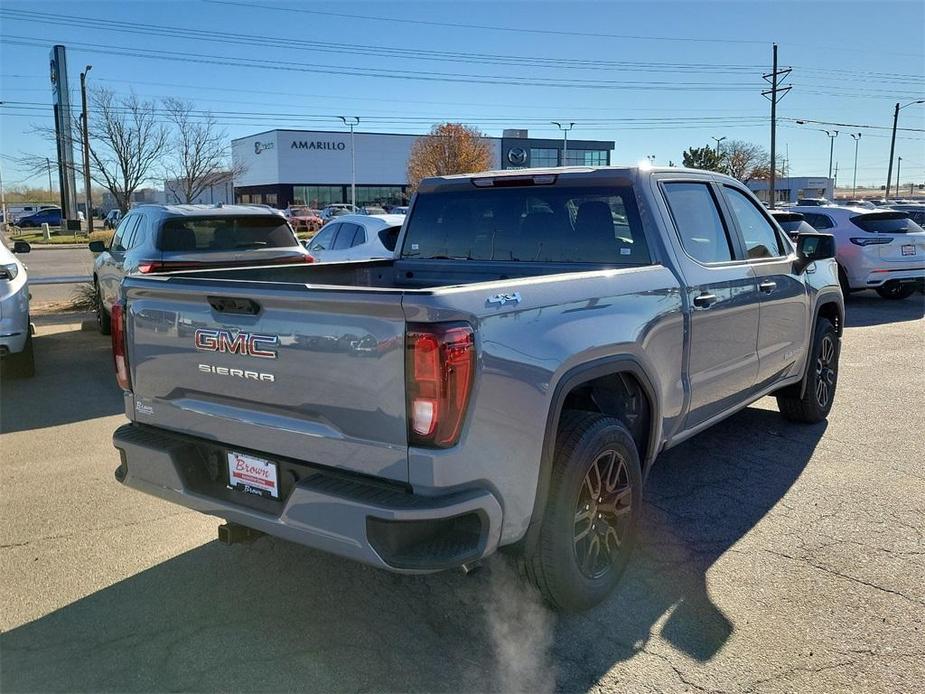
(247, 344)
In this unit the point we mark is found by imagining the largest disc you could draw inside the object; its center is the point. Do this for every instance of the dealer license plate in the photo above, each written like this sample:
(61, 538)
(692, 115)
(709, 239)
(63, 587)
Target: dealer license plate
(909, 249)
(253, 475)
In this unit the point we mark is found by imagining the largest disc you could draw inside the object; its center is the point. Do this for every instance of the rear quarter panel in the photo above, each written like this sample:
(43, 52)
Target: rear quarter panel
(525, 349)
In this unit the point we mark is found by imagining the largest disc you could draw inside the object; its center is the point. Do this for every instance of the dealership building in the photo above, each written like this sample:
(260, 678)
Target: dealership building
(311, 167)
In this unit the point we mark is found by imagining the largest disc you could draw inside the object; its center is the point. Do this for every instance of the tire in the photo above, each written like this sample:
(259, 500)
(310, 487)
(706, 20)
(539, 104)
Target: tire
(563, 564)
(822, 379)
(103, 319)
(896, 290)
(21, 364)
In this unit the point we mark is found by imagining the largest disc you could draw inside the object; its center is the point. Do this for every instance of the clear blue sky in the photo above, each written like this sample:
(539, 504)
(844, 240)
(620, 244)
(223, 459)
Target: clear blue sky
(659, 76)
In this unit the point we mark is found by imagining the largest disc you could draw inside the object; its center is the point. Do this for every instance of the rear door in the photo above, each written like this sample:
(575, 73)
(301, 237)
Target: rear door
(278, 369)
(723, 295)
(782, 323)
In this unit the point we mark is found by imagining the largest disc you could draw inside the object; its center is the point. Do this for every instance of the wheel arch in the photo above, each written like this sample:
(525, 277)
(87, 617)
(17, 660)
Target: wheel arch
(573, 381)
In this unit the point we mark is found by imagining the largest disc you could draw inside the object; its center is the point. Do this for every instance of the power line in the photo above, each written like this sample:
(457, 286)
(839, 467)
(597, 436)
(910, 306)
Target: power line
(429, 76)
(399, 52)
(525, 30)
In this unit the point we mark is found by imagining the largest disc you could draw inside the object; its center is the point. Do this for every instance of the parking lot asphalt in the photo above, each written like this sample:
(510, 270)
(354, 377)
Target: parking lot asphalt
(774, 557)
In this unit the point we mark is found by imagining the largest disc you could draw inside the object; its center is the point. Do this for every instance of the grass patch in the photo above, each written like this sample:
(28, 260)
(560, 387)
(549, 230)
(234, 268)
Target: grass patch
(37, 237)
(84, 297)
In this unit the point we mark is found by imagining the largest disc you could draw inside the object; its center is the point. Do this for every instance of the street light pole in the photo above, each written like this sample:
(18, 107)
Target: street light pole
(854, 183)
(718, 140)
(899, 163)
(51, 192)
(86, 143)
(564, 127)
(831, 147)
(351, 121)
(889, 170)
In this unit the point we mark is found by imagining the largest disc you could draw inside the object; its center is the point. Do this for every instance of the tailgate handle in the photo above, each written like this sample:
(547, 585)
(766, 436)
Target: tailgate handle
(234, 304)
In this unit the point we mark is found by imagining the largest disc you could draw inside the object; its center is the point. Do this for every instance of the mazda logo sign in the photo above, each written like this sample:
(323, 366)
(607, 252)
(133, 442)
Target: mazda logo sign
(517, 156)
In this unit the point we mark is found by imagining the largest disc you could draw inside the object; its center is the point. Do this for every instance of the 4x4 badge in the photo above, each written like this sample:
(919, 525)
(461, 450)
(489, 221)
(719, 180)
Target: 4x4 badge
(502, 299)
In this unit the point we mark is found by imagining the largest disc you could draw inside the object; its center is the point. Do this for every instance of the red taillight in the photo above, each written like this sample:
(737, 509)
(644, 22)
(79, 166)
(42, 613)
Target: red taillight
(440, 365)
(146, 266)
(308, 259)
(117, 324)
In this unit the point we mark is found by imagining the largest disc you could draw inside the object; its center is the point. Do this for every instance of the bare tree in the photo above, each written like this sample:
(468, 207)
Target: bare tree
(201, 156)
(450, 148)
(746, 161)
(127, 142)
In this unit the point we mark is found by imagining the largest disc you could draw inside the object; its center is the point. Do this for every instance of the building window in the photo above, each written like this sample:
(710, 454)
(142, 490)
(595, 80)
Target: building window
(587, 157)
(317, 197)
(544, 157)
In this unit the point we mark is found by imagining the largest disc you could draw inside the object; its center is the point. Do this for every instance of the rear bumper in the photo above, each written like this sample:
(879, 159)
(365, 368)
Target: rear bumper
(383, 525)
(880, 277)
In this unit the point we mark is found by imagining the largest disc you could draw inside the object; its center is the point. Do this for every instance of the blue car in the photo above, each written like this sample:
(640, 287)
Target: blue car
(52, 217)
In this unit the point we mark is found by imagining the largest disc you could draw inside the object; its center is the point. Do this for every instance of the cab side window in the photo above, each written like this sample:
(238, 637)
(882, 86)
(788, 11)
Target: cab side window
(761, 241)
(700, 226)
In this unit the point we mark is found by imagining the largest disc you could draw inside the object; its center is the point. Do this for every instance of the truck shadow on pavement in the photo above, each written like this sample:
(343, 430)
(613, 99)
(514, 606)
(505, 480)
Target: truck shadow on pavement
(275, 616)
(86, 382)
(867, 309)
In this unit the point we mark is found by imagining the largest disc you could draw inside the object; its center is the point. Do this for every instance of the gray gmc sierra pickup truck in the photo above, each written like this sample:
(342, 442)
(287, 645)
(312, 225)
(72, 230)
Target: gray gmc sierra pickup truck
(507, 379)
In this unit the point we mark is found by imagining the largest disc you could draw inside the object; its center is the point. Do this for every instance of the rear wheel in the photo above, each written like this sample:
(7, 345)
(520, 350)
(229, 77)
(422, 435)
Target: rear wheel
(103, 320)
(821, 379)
(589, 525)
(896, 290)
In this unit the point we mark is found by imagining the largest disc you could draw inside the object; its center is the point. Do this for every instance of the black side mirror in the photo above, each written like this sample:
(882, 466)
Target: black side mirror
(813, 247)
(97, 246)
(21, 247)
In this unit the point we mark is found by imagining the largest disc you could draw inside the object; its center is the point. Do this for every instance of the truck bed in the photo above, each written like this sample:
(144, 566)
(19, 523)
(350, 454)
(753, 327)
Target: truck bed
(389, 274)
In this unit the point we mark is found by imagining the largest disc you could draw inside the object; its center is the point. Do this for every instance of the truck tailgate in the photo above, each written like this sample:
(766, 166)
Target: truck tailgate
(308, 373)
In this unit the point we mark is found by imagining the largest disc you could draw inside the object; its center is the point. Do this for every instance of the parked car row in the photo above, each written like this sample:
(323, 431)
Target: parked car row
(880, 248)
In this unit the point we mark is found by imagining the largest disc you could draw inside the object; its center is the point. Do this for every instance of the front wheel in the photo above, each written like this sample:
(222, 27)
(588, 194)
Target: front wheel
(896, 290)
(589, 525)
(821, 379)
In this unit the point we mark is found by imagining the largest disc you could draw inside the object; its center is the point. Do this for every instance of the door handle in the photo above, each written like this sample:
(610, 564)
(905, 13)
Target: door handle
(767, 286)
(704, 300)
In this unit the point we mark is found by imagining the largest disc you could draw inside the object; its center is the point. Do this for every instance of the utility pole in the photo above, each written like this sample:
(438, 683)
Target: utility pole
(899, 163)
(564, 127)
(774, 94)
(51, 192)
(889, 170)
(351, 121)
(86, 143)
(854, 184)
(718, 140)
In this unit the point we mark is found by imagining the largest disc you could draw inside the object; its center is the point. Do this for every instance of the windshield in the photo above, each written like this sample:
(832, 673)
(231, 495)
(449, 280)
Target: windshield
(574, 224)
(225, 233)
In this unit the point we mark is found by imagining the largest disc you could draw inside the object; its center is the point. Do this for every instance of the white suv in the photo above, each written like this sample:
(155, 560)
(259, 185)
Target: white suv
(880, 249)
